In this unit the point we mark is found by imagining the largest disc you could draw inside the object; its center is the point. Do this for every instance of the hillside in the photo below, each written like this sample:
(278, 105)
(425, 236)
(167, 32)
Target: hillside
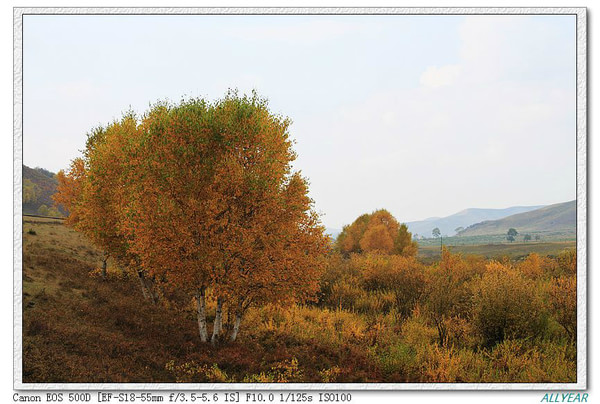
(38, 187)
(557, 218)
(464, 218)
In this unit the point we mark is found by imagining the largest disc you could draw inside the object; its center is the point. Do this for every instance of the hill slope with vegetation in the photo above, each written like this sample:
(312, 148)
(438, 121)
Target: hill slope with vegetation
(462, 219)
(557, 218)
(38, 187)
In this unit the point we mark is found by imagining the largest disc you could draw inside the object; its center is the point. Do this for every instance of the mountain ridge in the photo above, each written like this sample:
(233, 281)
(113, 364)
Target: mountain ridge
(464, 218)
(558, 217)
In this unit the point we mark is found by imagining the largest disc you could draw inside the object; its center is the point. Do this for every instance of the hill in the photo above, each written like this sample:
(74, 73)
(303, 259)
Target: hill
(464, 218)
(557, 218)
(38, 187)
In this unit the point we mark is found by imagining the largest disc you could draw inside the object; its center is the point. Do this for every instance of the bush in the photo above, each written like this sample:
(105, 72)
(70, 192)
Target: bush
(447, 292)
(563, 304)
(403, 276)
(567, 261)
(506, 305)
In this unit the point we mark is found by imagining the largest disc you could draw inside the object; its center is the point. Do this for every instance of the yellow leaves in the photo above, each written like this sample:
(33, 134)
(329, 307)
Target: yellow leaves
(376, 232)
(330, 375)
(563, 303)
(377, 238)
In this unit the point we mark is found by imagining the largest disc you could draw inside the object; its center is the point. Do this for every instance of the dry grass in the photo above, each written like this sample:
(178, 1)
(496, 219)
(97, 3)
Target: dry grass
(78, 327)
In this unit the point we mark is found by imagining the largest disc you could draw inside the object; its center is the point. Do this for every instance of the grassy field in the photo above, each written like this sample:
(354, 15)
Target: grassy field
(514, 251)
(78, 327)
(544, 237)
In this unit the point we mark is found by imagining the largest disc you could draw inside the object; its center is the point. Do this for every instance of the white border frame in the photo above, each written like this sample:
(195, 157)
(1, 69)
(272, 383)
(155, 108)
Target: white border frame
(581, 130)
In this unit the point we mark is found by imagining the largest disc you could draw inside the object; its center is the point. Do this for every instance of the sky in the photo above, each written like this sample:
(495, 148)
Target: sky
(421, 115)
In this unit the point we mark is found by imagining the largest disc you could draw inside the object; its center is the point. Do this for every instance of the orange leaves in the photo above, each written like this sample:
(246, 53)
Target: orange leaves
(376, 232)
(377, 238)
(203, 195)
(69, 190)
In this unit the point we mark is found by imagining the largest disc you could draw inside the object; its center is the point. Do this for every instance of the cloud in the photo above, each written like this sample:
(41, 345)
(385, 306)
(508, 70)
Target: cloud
(435, 77)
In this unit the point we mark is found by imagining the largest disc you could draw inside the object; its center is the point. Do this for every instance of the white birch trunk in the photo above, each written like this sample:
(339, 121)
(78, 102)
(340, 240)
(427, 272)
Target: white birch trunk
(143, 284)
(201, 308)
(151, 290)
(236, 326)
(218, 325)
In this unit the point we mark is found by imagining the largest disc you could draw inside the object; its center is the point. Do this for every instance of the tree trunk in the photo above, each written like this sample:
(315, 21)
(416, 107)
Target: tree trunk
(143, 284)
(201, 308)
(151, 286)
(218, 325)
(228, 322)
(236, 326)
(104, 259)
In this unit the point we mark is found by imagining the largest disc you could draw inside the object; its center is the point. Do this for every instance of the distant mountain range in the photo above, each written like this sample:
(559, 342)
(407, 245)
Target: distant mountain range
(559, 218)
(464, 219)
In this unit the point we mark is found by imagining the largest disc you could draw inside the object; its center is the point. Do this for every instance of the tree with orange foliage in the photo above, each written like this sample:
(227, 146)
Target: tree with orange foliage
(213, 206)
(377, 239)
(376, 232)
(92, 192)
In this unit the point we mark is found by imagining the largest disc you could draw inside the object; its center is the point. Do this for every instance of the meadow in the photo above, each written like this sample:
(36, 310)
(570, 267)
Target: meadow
(496, 250)
(459, 318)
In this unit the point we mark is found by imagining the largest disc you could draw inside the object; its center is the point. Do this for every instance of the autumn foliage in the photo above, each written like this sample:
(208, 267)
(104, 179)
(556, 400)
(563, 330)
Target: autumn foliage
(198, 204)
(376, 232)
(201, 197)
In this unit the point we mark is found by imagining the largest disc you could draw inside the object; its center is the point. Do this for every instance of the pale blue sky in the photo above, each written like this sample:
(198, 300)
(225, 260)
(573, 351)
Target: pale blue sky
(421, 115)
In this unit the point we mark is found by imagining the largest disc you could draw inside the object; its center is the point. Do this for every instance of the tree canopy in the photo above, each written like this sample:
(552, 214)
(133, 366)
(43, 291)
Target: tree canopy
(376, 232)
(203, 196)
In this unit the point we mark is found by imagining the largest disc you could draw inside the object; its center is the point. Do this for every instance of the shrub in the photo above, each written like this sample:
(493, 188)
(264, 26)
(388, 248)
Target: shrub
(567, 261)
(330, 375)
(403, 276)
(447, 292)
(192, 372)
(506, 305)
(563, 304)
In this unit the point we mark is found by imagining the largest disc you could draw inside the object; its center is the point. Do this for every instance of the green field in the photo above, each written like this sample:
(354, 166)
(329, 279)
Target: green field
(542, 237)
(514, 251)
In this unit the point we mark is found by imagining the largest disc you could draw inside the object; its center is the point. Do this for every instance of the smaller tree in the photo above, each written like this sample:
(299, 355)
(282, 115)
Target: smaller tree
(436, 233)
(527, 237)
(511, 234)
(459, 229)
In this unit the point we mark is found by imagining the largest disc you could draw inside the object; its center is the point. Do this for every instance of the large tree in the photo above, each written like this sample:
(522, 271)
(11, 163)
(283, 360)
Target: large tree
(212, 206)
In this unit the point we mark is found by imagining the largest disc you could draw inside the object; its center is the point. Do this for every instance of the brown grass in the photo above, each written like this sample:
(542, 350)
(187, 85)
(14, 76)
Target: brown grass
(80, 328)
